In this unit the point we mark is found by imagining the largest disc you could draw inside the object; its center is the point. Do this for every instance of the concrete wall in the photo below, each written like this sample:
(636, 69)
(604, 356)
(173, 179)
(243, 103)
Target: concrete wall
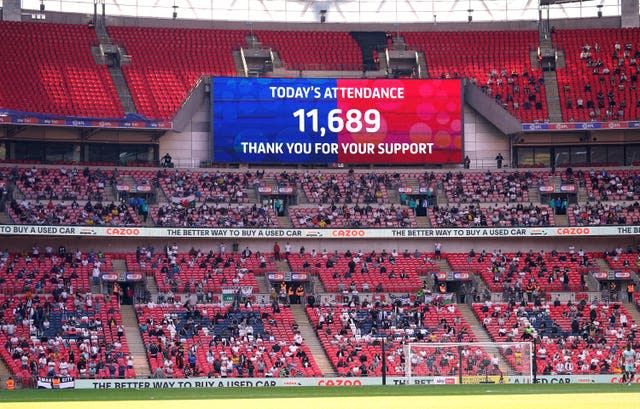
(193, 145)
(630, 13)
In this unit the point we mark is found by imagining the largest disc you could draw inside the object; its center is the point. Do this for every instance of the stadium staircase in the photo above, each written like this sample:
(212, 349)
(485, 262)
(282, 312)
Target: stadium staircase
(285, 222)
(134, 341)
(555, 181)
(5, 218)
(107, 53)
(263, 284)
(562, 220)
(443, 265)
(483, 336)
(441, 196)
(553, 96)
(632, 309)
(4, 373)
(602, 263)
(423, 221)
(316, 282)
(582, 194)
(152, 286)
(119, 266)
(311, 340)
(368, 42)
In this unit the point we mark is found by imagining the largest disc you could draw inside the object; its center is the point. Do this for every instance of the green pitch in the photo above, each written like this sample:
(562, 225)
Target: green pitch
(97, 395)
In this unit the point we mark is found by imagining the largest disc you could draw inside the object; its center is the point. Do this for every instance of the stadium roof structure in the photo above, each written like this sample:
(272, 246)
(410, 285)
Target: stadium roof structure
(338, 11)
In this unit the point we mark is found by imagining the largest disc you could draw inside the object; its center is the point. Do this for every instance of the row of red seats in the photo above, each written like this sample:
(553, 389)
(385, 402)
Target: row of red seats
(602, 334)
(80, 338)
(48, 68)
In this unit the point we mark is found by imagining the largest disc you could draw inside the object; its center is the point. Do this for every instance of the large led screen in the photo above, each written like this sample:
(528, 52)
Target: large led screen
(319, 121)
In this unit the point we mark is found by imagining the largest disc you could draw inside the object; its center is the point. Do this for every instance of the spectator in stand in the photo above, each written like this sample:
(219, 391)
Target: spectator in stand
(605, 214)
(499, 160)
(167, 161)
(276, 251)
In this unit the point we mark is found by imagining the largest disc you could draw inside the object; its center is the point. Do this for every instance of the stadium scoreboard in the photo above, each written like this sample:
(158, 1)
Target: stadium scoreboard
(324, 121)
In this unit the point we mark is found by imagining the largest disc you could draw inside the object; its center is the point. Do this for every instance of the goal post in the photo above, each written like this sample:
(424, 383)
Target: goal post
(469, 362)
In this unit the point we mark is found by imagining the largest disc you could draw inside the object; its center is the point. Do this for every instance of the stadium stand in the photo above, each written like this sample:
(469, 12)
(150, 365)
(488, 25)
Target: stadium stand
(43, 271)
(614, 185)
(353, 216)
(49, 69)
(61, 183)
(64, 335)
(370, 272)
(596, 214)
(198, 272)
(216, 313)
(498, 62)
(505, 215)
(521, 274)
(601, 74)
(314, 50)
(351, 335)
(215, 341)
(492, 187)
(575, 338)
(166, 63)
(348, 188)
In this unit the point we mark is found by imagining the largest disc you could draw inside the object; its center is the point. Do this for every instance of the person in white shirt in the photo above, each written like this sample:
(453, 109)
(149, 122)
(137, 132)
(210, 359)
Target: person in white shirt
(623, 320)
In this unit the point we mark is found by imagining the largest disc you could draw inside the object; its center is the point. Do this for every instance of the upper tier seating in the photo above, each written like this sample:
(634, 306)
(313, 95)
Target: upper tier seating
(496, 61)
(574, 339)
(224, 342)
(601, 74)
(314, 50)
(49, 69)
(166, 63)
(79, 336)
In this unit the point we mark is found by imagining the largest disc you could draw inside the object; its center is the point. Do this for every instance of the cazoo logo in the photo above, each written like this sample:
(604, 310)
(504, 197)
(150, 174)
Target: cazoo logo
(122, 231)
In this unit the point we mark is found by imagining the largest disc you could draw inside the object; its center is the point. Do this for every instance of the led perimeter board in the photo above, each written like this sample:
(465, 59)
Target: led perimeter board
(323, 121)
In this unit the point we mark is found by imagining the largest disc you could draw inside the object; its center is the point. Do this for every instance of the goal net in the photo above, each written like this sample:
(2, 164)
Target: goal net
(468, 362)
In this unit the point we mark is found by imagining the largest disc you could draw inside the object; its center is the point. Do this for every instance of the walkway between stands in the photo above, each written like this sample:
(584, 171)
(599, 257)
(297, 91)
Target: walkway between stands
(134, 341)
(633, 311)
(311, 340)
(4, 373)
(482, 335)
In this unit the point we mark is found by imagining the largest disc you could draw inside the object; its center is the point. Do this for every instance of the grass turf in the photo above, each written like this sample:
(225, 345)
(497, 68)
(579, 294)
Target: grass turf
(30, 395)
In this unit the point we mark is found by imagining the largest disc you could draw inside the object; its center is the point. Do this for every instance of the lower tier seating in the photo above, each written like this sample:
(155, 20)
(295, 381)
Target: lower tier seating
(224, 342)
(64, 335)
